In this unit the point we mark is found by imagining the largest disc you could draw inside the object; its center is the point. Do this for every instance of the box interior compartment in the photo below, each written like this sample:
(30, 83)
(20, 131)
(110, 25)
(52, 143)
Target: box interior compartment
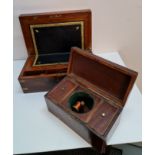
(93, 109)
(81, 102)
(44, 72)
(52, 71)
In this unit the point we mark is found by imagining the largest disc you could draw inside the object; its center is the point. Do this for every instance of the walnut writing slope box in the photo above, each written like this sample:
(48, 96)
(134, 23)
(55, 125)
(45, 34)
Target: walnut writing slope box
(92, 95)
(48, 38)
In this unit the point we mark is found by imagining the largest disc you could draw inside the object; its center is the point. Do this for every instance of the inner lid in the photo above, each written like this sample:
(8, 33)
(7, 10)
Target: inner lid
(52, 42)
(113, 79)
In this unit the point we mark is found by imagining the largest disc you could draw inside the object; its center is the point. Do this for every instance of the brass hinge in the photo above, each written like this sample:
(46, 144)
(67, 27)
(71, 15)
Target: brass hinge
(22, 81)
(25, 89)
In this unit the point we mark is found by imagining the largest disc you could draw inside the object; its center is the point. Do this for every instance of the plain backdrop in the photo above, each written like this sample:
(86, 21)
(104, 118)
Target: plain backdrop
(116, 26)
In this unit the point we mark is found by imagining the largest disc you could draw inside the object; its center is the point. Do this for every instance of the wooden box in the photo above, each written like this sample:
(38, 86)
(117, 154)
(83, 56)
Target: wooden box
(48, 38)
(92, 95)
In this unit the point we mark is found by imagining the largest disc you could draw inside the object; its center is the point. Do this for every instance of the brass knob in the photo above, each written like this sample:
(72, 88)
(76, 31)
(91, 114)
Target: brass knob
(103, 114)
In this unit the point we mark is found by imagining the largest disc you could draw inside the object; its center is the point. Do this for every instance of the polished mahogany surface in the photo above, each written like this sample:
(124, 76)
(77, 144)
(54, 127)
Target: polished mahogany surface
(48, 39)
(102, 88)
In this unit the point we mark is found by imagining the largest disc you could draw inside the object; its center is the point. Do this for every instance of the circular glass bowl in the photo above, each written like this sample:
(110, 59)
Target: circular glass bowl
(81, 102)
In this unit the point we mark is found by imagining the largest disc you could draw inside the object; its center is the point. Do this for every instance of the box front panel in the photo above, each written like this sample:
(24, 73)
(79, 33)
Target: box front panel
(78, 127)
(38, 84)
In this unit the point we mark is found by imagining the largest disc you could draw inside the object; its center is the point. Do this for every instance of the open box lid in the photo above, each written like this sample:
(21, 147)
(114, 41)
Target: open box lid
(111, 80)
(50, 36)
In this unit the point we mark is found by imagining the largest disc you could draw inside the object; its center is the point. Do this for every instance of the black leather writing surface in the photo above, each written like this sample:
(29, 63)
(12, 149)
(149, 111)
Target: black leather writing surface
(53, 43)
(52, 58)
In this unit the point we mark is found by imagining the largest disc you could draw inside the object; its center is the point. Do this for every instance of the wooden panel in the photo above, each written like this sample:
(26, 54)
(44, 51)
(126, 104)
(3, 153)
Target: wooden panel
(111, 78)
(59, 92)
(38, 83)
(102, 117)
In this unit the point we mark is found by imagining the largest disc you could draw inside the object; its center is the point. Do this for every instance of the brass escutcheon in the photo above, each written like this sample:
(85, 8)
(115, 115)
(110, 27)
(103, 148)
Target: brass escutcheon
(103, 114)
(25, 89)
